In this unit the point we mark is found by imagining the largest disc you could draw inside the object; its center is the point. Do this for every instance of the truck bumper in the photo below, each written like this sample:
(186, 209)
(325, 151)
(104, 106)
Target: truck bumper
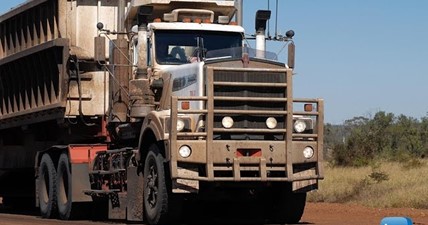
(246, 161)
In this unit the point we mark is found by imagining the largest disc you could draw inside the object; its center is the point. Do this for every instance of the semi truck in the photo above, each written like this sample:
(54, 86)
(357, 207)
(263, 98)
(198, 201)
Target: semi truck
(136, 106)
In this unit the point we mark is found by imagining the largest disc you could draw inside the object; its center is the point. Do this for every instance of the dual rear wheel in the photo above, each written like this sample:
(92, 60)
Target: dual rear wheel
(160, 205)
(47, 187)
(54, 187)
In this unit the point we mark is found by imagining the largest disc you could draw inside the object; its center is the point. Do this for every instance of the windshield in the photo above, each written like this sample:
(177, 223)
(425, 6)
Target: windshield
(180, 47)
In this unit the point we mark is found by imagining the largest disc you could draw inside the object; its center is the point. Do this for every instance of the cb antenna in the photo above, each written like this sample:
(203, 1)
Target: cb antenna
(268, 20)
(276, 20)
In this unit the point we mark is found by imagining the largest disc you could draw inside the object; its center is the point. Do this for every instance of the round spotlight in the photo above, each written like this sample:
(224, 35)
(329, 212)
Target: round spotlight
(227, 122)
(271, 123)
(100, 26)
(180, 125)
(299, 126)
(185, 151)
(290, 34)
(308, 152)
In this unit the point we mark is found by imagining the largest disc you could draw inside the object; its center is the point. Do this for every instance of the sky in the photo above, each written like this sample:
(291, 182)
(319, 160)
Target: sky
(360, 56)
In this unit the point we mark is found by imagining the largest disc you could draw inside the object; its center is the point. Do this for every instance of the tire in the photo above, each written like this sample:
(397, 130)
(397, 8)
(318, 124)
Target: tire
(64, 188)
(294, 210)
(288, 206)
(47, 187)
(156, 196)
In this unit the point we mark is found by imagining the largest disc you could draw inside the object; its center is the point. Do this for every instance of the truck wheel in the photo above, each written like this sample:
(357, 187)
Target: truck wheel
(295, 207)
(64, 187)
(47, 187)
(155, 189)
(288, 206)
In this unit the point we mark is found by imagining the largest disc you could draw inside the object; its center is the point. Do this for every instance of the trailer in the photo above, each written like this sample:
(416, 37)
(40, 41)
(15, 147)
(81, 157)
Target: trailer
(131, 106)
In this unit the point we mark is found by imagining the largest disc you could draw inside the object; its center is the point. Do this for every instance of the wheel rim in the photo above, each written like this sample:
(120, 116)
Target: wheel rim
(152, 184)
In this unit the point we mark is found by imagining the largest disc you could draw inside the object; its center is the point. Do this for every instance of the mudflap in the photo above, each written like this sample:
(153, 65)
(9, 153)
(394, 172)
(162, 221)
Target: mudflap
(116, 208)
(135, 195)
(80, 181)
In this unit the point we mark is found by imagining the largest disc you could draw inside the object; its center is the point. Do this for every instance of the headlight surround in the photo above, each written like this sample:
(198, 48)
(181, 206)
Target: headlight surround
(299, 126)
(227, 122)
(271, 122)
(185, 151)
(308, 152)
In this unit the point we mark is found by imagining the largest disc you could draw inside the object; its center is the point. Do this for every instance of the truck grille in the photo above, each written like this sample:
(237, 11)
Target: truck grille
(245, 91)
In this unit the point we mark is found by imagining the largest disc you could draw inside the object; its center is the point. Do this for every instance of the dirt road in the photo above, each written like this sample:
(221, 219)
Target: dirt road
(345, 214)
(317, 214)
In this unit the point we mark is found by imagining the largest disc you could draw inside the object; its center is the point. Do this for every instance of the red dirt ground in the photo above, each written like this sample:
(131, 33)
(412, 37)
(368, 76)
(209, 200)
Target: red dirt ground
(349, 214)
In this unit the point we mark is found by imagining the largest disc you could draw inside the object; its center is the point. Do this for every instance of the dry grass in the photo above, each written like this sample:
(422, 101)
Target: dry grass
(386, 185)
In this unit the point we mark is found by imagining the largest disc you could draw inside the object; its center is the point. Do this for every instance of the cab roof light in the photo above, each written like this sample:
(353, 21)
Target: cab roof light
(169, 17)
(181, 14)
(157, 20)
(223, 19)
(197, 20)
(187, 20)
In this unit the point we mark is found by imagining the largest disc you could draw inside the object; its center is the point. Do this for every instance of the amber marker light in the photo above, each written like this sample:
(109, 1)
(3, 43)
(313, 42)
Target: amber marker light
(207, 21)
(309, 107)
(157, 20)
(187, 20)
(185, 105)
(197, 20)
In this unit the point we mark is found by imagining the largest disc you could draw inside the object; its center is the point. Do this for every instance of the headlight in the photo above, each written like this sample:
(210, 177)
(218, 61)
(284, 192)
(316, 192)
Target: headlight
(180, 125)
(185, 151)
(271, 123)
(183, 124)
(299, 126)
(308, 152)
(227, 122)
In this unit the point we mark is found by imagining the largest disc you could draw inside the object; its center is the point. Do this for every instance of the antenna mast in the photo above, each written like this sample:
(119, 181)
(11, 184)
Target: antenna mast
(276, 20)
(268, 20)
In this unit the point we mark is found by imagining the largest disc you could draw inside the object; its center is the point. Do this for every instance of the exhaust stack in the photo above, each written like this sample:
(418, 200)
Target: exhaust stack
(239, 14)
(261, 17)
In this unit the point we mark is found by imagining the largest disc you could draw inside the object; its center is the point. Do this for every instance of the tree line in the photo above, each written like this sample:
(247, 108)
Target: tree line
(362, 140)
